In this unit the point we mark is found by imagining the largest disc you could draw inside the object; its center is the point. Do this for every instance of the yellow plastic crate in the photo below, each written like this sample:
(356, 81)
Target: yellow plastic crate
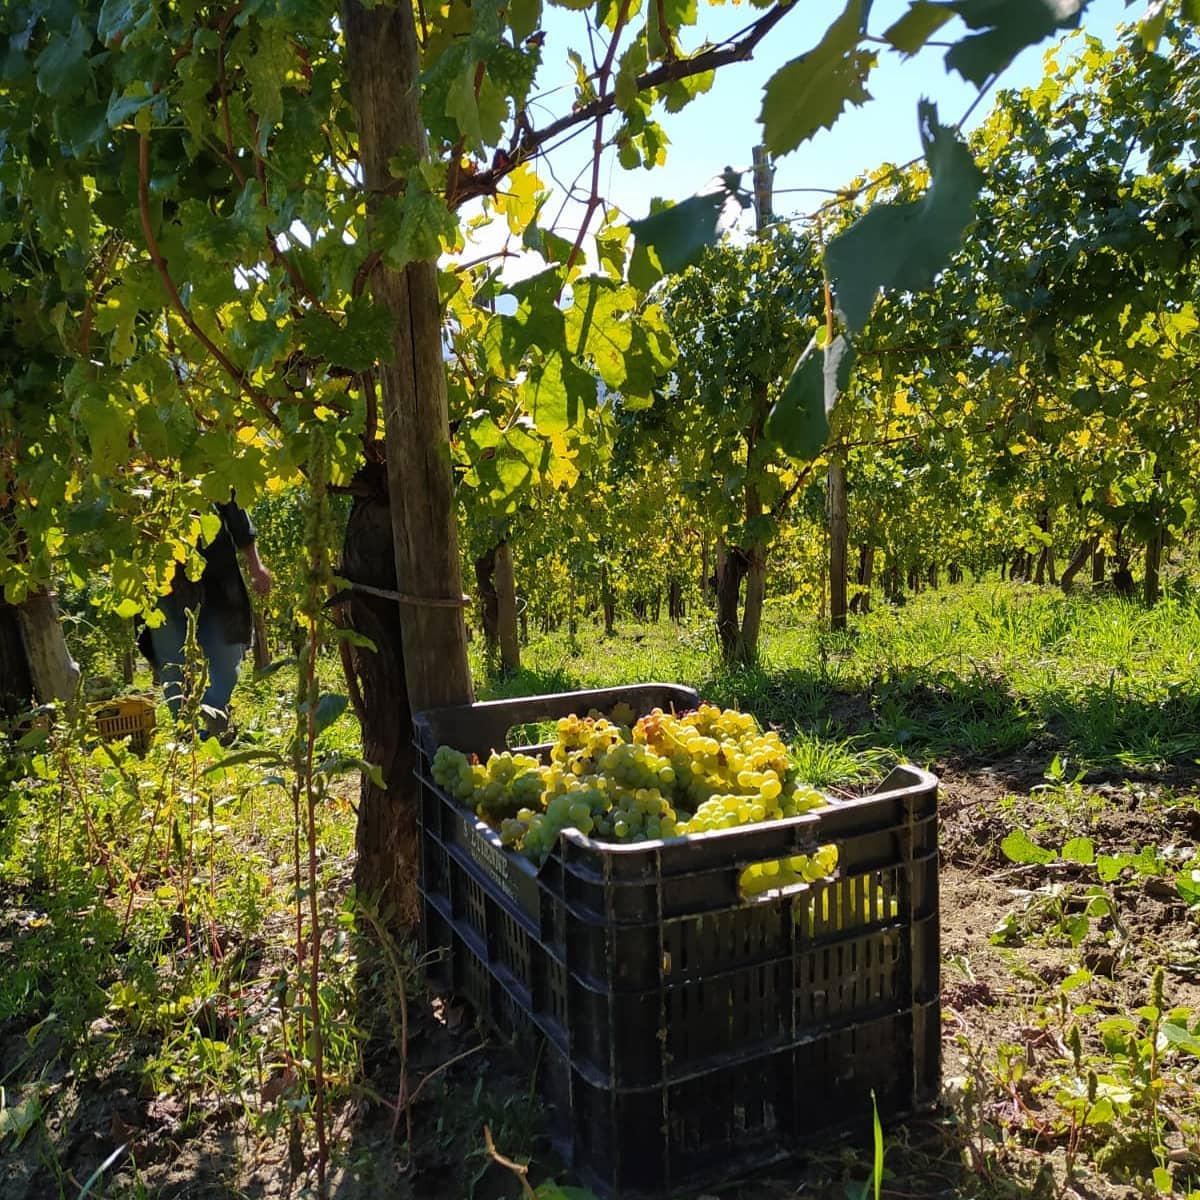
(131, 717)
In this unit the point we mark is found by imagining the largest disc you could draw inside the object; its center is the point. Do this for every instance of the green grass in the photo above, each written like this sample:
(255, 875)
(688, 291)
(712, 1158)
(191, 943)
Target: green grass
(974, 672)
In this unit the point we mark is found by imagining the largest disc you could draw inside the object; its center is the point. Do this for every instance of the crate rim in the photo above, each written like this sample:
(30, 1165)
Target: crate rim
(922, 780)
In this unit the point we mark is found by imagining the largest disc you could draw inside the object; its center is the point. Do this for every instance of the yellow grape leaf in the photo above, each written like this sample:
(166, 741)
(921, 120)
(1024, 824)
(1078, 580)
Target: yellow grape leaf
(517, 199)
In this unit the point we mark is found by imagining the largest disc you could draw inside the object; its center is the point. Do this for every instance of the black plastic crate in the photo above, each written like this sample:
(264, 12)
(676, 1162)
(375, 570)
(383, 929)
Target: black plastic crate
(692, 1033)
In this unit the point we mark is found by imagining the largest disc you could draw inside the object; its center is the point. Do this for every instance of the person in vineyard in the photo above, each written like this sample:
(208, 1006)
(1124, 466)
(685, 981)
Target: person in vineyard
(224, 618)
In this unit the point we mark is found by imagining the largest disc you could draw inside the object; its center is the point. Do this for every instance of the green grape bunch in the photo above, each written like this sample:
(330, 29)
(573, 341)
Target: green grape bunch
(666, 775)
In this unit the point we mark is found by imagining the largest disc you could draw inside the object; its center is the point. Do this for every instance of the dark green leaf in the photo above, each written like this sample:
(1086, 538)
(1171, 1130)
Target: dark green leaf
(678, 234)
(329, 708)
(277, 665)
(362, 339)
(1007, 26)
(799, 422)
(915, 28)
(810, 92)
(62, 67)
(115, 17)
(905, 245)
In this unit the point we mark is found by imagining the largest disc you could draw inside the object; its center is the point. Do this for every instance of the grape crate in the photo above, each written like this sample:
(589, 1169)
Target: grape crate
(720, 964)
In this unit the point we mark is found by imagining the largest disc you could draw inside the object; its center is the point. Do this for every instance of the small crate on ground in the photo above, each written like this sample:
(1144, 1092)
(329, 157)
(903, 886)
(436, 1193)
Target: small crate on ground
(131, 717)
(692, 1033)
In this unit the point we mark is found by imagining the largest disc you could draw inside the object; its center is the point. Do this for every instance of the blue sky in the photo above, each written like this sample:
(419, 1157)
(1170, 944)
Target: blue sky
(721, 127)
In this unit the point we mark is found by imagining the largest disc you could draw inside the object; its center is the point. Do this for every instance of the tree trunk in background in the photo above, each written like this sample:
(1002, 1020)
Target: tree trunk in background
(489, 607)
(933, 576)
(506, 609)
(16, 683)
(862, 577)
(756, 592)
(1039, 572)
(656, 606)
(383, 61)
(955, 573)
(572, 621)
(706, 587)
(54, 672)
(262, 647)
(893, 587)
(675, 601)
(386, 836)
(839, 537)
(608, 602)
(1151, 589)
(1098, 565)
(1086, 548)
(730, 570)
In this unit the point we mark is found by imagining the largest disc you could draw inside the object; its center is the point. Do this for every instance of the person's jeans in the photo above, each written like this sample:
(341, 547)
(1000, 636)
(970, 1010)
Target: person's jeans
(223, 657)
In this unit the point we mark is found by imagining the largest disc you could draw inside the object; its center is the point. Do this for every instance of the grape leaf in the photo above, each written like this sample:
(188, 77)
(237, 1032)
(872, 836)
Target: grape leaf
(679, 233)
(810, 92)
(905, 245)
(799, 421)
(360, 341)
(329, 708)
(63, 70)
(914, 29)
(1008, 27)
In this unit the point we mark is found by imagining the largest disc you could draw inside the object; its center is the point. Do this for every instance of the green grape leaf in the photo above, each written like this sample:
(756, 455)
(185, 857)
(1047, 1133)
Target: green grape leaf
(1079, 850)
(362, 339)
(63, 69)
(1018, 847)
(905, 245)
(329, 708)
(523, 17)
(810, 92)
(917, 26)
(799, 421)
(1007, 27)
(679, 233)
(561, 391)
(107, 424)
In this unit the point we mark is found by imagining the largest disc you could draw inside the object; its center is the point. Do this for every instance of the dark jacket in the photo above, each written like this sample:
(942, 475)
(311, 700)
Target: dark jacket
(220, 588)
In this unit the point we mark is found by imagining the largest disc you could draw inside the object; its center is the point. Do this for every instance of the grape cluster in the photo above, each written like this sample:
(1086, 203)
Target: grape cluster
(663, 776)
(454, 773)
(783, 872)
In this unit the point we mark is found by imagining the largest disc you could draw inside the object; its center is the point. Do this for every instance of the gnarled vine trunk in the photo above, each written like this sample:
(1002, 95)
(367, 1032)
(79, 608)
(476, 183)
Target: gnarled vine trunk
(384, 66)
(386, 835)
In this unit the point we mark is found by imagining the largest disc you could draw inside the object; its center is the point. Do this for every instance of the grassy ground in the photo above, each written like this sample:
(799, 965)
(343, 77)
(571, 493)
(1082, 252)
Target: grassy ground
(151, 1010)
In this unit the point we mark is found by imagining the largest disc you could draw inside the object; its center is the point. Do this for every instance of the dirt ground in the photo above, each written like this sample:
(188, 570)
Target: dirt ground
(992, 1136)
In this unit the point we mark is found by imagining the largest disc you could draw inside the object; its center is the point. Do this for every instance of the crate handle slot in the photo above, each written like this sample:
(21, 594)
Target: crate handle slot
(788, 874)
